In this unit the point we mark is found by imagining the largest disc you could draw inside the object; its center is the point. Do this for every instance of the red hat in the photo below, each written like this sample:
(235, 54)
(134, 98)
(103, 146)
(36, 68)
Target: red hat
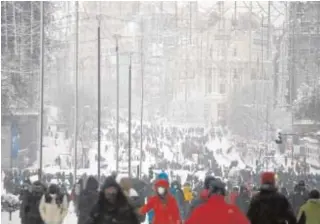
(268, 178)
(161, 183)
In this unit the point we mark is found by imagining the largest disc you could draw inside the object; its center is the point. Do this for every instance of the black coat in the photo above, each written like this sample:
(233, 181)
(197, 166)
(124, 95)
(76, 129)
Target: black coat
(87, 199)
(24, 202)
(121, 212)
(31, 209)
(270, 207)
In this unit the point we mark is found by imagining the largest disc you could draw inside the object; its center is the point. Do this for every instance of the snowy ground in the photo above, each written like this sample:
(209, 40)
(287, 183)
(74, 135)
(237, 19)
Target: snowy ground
(70, 219)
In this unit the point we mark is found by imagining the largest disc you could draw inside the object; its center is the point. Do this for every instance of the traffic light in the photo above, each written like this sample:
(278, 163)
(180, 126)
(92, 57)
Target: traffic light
(150, 173)
(278, 137)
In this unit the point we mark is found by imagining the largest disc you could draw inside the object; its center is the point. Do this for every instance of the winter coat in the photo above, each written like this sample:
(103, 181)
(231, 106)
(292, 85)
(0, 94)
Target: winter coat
(216, 210)
(187, 192)
(87, 199)
(243, 202)
(24, 202)
(150, 214)
(166, 210)
(311, 210)
(177, 193)
(31, 206)
(136, 201)
(120, 212)
(160, 176)
(270, 207)
(203, 197)
(298, 198)
(53, 208)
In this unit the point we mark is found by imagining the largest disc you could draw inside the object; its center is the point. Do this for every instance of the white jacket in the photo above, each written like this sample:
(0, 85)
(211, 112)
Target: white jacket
(51, 213)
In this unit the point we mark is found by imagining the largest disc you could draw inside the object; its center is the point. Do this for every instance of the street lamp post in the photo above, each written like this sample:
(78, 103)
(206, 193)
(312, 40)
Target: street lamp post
(118, 85)
(129, 120)
(99, 101)
(41, 86)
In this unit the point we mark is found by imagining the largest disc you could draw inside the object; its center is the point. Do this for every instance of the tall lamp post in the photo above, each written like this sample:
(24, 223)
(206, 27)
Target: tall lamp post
(129, 119)
(99, 101)
(41, 85)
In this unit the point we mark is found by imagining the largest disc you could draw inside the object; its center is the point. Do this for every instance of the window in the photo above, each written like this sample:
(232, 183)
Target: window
(222, 88)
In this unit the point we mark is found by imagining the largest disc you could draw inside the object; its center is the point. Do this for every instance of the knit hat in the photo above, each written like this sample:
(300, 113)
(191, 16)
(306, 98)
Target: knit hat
(268, 178)
(161, 183)
(163, 176)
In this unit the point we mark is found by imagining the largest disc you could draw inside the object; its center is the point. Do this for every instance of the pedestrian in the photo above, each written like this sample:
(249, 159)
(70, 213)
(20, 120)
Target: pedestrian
(299, 196)
(87, 199)
(163, 204)
(203, 196)
(216, 209)
(53, 206)
(309, 212)
(31, 206)
(177, 193)
(269, 206)
(112, 206)
(243, 200)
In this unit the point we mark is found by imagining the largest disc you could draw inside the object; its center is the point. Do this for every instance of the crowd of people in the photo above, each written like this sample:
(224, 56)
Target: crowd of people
(165, 201)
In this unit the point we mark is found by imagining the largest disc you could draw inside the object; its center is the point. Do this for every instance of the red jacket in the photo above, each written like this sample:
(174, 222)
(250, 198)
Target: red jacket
(165, 210)
(216, 210)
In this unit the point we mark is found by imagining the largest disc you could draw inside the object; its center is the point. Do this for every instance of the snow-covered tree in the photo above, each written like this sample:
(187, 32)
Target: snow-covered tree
(20, 54)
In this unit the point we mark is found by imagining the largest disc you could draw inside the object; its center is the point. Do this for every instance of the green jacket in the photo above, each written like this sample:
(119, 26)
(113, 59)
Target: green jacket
(311, 209)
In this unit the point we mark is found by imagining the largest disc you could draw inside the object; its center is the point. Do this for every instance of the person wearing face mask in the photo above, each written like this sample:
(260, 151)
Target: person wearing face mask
(112, 206)
(53, 206)
(164, 205)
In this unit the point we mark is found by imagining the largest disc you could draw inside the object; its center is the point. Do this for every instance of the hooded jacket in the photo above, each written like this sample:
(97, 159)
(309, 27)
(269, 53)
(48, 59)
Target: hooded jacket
(31, 204)
(133, 196)
(216, 210)
(53, 207)
(166, 210)
(187, 192)
(161, 176)
(119, 212)
(311, 210)
(177, 193)
(87, 199)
